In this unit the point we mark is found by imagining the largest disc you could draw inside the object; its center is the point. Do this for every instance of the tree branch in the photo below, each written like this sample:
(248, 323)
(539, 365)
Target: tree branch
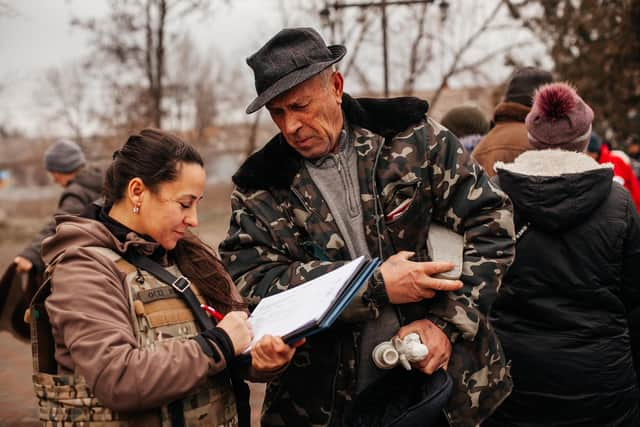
(458, 55)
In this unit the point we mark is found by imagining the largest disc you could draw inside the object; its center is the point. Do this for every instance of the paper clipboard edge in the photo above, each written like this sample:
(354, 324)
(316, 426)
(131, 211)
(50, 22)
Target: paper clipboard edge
(360, 279)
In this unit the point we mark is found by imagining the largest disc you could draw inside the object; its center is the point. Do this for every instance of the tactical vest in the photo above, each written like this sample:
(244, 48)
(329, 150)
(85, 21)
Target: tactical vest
(157, 314)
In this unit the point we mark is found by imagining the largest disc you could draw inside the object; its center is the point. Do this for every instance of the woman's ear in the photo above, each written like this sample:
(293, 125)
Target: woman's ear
(135, 191)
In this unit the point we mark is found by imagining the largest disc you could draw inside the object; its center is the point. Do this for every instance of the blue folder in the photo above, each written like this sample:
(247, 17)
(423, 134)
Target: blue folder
(358, 279)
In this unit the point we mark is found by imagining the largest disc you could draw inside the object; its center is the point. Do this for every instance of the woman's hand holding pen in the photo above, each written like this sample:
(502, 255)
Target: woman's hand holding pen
(271, 353)
(237, 326)
(268, 354)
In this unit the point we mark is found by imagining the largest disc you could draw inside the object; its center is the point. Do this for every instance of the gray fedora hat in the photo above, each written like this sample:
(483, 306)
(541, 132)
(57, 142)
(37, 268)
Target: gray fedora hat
(289, 58)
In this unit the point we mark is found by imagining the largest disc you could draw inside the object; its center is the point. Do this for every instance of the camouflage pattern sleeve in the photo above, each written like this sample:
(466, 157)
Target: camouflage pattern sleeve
(263, 250)
(467, 202)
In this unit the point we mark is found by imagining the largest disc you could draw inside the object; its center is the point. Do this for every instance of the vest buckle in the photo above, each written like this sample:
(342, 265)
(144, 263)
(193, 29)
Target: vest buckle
(181, 284)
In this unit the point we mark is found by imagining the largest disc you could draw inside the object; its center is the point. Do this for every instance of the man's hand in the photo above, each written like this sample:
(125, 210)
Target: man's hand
(23, 264)
(271, 353)
(408, 281)
(436, 341)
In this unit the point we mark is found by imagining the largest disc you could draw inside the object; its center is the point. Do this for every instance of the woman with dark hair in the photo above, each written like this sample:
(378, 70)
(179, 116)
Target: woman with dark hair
(132, 344)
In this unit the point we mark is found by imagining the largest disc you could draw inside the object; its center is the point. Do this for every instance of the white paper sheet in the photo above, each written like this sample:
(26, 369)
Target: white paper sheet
(300, 306)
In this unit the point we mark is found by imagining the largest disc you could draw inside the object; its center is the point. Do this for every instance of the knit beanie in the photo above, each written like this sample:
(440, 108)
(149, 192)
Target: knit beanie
(559, 118)
(466, 120)
(64, 157)
(523, 84)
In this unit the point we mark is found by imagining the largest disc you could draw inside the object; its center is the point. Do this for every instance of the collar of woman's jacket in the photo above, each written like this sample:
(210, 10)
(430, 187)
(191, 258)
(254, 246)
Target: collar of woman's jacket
(125, 236)
(385, 117)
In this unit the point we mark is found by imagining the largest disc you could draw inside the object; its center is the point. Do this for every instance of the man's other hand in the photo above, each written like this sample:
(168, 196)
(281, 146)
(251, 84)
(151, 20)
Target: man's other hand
(271, 353)
(408, 281)
(436, 341)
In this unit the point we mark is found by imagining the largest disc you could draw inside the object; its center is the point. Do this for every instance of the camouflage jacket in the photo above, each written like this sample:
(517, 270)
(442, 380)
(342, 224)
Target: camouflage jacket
(283, 234)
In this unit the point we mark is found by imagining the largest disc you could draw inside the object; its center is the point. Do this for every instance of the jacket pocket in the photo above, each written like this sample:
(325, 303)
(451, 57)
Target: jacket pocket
(407, 217)
(398, 198)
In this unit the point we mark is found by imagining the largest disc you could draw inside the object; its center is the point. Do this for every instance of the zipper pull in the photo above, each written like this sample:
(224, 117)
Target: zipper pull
(336, 158)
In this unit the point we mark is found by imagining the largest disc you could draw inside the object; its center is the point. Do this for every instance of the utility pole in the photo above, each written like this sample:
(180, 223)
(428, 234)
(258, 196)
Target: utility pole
(325, 16)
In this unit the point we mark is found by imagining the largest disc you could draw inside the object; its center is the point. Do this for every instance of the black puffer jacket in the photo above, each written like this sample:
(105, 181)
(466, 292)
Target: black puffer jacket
(562, 311)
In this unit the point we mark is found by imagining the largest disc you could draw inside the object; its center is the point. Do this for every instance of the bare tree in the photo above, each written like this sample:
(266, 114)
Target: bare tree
(6, 9)
(353, 28)
(594, 44)
(199, 86)
(359, 35)
(493, 24)
(131, 43)
(65, 97)
(420, 53)
(205, 106)
(4, 128)
(181, 74)
(429, 45)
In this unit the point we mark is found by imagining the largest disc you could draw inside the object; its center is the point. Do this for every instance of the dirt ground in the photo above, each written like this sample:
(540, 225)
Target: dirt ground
(17, 401)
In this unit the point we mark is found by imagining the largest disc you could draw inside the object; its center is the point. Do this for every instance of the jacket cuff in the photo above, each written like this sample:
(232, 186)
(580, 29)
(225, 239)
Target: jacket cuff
(376, 295)
(34, 257)
(256, 376)
(216, 344)
(223, 341)
(448, 328)
(208, 348)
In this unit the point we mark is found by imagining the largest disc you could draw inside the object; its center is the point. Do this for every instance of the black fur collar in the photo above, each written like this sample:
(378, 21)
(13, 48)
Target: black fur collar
(276, 163)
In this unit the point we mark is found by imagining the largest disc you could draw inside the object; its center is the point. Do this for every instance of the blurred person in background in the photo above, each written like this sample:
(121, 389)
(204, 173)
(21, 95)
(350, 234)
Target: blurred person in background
(561, 314)
(633, 147)
(81, 185)
(622, 170)
(633, 151)
(468, 123)
(508, 138)
(66, 163)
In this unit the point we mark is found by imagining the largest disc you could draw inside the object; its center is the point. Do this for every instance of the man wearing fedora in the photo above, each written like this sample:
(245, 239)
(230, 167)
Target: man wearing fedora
(347, 177)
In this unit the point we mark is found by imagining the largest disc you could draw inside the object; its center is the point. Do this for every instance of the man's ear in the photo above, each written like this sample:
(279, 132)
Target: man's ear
(337, 85)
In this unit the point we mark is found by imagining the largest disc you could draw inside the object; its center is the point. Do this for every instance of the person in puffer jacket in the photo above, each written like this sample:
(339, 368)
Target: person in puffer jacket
(562, 312)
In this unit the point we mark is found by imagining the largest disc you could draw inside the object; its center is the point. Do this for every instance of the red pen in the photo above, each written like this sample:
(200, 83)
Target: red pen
(212, 311)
